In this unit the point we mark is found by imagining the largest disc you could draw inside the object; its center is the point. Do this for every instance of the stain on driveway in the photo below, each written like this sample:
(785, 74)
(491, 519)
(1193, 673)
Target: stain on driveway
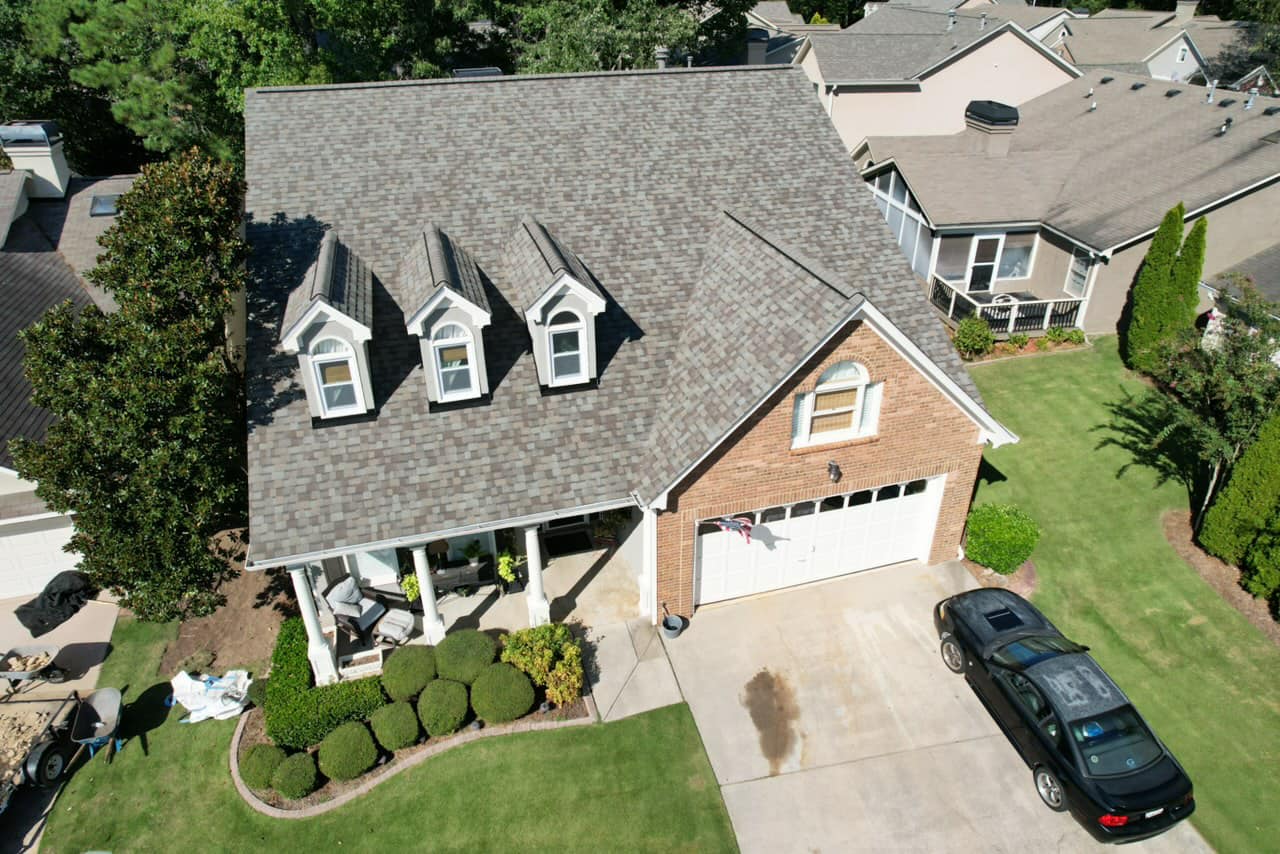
(771, 702)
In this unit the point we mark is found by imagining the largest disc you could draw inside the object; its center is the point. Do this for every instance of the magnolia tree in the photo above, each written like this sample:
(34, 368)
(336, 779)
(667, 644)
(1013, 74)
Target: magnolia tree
(147, 451)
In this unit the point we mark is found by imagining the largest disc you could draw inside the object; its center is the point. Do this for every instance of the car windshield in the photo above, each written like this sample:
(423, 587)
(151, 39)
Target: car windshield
(1024, 652)
(1114, 742)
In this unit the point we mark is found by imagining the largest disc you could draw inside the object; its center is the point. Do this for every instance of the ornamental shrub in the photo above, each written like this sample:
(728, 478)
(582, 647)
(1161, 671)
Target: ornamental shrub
(550, 656)
(501, 693)
(1262, 564)
(442, 707)
(1019, 340)
(1158, 312)
(259, 763)
(407, 671)
(257, 692)
(347, 752)
(463, 655)
(299, 715)
(395, 726)
(974, 337)
(1076, 336)
(1057, 335)
(1249, 500)
(1000, 536)
(295, 776)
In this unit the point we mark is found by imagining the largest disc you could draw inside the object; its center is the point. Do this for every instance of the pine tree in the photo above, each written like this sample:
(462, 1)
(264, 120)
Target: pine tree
(1251, 498)
(1156, 311)
(1187, 271)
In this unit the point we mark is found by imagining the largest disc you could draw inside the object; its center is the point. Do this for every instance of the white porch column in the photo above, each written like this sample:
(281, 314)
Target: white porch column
(432, 622)
(649, 574)
(319, 653)
(539, 607)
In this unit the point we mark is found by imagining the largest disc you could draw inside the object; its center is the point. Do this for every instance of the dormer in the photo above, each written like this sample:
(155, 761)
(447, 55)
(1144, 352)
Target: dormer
(441, 282)
(328, 322)
(560, 301)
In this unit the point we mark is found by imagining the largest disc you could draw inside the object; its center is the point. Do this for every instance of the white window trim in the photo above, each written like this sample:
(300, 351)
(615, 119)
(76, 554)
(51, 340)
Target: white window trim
(908, 215)
(995, 262)
(1084, 288)
(805, 438)
(579, 326)
(321, 359)
(467, 341)
(996, 277)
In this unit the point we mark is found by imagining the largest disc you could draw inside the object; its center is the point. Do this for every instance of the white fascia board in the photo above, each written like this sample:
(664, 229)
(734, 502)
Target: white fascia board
(803, 52)
(1011, 27)
(321, 310)
(412, 540)
(1181, 34)
(878, 167)
(1191, 214)
(479, 317)
(595, 304)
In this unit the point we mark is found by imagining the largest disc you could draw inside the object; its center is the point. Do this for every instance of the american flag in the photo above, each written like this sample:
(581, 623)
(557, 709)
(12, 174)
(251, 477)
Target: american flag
(741, 524)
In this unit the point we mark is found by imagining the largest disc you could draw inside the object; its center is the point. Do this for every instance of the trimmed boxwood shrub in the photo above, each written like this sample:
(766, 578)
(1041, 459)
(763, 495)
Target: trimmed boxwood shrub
(347, 752)
(407, 671)
(1000, 536)
(463, 655)
(258, 692)
(1243, 507)
(501, 693)
(298, 715)
(550, 656)
(259, 763)
(395, 726)
(442, 706)
(974, 337)
(295, 776)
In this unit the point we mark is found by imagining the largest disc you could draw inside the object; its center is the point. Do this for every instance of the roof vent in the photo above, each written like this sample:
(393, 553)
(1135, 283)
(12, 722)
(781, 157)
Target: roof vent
(982, 21)
(486, 71)
(104, 205)
(1172, 92)
(1273, 137)
(992, 113)
(1208, 98)
(1136, 86)
(1227, 102)
(1106, 80)
(1090, 95)
(1253, 96)
(1271, 111)
(1226, 126)
(1093, 105)
(951, 20)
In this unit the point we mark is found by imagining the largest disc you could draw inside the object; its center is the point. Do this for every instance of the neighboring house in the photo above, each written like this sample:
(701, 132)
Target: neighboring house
(1040, 216)
(908, 71)
(50, 222)
(774, 15)
(1262, 269)
(542, 298)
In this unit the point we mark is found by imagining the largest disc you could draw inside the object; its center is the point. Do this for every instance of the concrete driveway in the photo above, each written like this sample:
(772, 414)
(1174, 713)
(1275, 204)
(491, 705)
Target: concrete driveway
(832, 725)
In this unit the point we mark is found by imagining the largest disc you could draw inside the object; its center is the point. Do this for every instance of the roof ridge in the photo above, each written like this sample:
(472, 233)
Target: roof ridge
(819, 271)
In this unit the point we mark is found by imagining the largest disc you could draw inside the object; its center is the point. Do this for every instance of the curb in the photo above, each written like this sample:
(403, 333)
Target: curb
(465, 737)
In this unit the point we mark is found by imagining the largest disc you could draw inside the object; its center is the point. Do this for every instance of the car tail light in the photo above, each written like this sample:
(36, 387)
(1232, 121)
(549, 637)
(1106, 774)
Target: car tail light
(1111, 820)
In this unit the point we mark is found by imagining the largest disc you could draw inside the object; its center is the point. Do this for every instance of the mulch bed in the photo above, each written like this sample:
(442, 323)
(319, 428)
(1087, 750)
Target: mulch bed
(1222, 577)
(1022, 582)
(255, 733)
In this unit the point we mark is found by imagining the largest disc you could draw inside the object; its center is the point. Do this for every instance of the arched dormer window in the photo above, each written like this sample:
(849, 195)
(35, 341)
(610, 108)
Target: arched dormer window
(844, 404)
(453, 356)
(564, 342)
(337, 377)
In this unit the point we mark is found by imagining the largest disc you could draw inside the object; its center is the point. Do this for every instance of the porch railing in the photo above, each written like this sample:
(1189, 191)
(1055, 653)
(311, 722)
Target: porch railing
(1005, 318)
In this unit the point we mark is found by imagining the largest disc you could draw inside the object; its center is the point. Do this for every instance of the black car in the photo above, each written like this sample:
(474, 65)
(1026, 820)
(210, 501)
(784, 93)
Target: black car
(1089, 750)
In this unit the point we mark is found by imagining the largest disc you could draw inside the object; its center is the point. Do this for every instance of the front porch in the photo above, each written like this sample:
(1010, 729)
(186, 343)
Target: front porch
(1008, 313)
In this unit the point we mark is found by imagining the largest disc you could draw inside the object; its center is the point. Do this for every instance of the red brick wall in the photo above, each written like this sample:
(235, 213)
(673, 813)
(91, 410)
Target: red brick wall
(921, 434)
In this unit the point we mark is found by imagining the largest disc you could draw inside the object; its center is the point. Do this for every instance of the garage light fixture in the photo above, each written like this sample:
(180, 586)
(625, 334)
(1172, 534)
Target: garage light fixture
(833, 471)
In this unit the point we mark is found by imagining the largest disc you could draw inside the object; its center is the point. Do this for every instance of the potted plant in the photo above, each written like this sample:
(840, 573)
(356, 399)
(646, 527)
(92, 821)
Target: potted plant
(508, 564)
(409, 584)
(605, 530)
(472, 552)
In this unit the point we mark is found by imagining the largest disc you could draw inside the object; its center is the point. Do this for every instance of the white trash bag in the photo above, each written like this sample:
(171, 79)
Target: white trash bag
(214, 697)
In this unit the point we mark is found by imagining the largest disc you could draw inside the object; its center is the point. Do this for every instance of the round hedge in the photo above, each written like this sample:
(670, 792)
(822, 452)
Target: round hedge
(259, 763)
(1000, 536)
(443, 706)
(463, 655)
(395, 726)
(501, 693)
(347, 752)
(295, 776)
(407, 671)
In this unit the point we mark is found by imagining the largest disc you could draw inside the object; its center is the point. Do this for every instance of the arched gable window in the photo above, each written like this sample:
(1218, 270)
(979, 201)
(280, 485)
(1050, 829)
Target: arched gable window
(337, 377)
(454, 358)
(564, 345)
(844, 404)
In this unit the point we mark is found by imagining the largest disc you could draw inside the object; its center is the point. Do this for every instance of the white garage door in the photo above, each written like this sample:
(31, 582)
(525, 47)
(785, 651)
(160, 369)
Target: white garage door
(813, 540)
(31, 553)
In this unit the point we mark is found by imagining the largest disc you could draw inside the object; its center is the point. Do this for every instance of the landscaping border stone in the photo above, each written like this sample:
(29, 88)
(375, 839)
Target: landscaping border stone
(376, 777)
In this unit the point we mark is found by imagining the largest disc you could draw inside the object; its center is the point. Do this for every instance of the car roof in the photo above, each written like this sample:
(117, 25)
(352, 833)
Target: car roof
(1076, 686)
(996, 615)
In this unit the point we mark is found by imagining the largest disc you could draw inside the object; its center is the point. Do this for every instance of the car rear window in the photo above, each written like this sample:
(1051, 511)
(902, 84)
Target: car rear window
(1024, 652)
(1114, 742)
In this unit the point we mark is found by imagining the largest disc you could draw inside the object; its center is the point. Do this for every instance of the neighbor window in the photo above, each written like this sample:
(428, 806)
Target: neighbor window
(1182, 54)
(844, 404)
(564, 339)
(335, 372)
(905, 219)
(1078, 274)
(455, 366)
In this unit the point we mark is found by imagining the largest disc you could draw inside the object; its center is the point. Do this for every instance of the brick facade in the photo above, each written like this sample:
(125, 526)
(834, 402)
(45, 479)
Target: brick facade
(921, 434)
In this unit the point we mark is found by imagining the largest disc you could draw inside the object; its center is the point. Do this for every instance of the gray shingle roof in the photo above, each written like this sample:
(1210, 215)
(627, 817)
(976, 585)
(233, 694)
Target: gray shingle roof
(534, 258)
(632, 171)
(435, 261)
(11, 188)
(1263, 269)
(1092, 174)
(339, 279)
(1116, 41)
(777, 12)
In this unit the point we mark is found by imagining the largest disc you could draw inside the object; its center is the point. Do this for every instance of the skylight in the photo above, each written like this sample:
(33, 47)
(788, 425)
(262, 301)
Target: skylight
(104, 205)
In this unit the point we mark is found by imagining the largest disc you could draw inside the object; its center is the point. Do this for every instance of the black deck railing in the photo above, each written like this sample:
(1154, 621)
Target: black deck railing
(1006, 317)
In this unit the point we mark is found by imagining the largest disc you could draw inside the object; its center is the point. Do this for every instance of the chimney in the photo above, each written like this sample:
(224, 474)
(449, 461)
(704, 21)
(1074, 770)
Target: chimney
(660, 55)
(36, 146)
(1185, 11)
(757, 46)
(995, 121)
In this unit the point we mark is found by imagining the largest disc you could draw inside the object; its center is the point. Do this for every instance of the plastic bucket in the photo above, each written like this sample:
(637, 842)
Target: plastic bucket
(672, 626)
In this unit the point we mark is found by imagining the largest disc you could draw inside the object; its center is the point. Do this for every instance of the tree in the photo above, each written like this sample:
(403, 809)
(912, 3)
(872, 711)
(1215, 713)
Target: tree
(1186, 274)
(1157, 314)
(147, 448)
(590, 35)
(1249, 501)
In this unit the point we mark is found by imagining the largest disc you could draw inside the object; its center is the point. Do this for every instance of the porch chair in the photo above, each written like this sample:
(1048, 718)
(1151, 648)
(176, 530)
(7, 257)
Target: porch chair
(353, 611)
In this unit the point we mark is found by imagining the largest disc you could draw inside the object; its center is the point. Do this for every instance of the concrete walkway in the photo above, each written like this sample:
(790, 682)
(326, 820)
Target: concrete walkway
(631, 673)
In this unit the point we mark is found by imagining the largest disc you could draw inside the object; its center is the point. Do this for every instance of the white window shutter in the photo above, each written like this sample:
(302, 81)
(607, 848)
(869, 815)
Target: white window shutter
(869, 422)
(800, 420)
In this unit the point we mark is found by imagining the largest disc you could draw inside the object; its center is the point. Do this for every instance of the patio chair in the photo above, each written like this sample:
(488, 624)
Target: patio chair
(353, 611)
(394, 628)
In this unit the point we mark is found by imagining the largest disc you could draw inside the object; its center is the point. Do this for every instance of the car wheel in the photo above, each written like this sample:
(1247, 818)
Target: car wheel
(48, 762)
(952, 655)
(1050, 790)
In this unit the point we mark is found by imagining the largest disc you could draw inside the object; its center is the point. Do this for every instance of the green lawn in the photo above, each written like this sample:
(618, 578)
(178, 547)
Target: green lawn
(642, 784)
(1207, 681)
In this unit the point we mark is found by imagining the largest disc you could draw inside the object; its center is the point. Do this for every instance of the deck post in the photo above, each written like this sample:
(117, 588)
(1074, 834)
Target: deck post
(432, 622)
(539, 607)
(319, 653)
(1048, 313)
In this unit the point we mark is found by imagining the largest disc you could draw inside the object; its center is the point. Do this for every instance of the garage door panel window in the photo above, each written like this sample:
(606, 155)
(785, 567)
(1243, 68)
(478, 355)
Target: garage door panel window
(860, 498)
(915, 487)
(803, 509)
(773, 514)
(833, 503)
(844, 405)
(888, 493)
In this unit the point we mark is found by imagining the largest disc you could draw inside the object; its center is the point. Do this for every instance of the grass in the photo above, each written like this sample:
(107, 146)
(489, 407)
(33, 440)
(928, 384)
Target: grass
(641, 784)
(1206, 680)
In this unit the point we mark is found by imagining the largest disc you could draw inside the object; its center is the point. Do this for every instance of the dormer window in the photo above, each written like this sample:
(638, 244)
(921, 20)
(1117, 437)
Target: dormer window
(336, 377)
(455, 363)
(843, 405)
(567, 362)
